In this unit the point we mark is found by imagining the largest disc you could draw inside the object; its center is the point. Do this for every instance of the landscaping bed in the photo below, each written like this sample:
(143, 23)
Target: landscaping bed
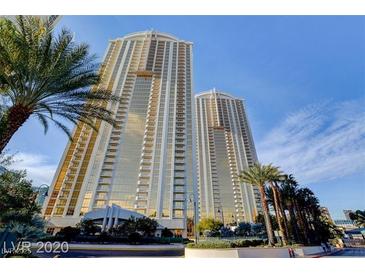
(225, 244)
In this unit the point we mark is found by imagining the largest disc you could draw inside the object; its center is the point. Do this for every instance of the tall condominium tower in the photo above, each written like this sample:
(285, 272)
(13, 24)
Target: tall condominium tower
(145, 162)
(225, 148)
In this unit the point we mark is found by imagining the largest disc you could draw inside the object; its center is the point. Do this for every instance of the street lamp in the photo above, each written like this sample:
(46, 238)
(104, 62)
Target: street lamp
(221, 211)
(45, 194)
(234, 219)
(195, 217)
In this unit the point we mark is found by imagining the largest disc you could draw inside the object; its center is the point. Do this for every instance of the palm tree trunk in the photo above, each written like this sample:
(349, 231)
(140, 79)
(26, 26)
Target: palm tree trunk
(286, 227)
(282, 212)
(302, 223)
(294, 224)
(10, 122)
(277, 212)
(265, 208)
(283, 215)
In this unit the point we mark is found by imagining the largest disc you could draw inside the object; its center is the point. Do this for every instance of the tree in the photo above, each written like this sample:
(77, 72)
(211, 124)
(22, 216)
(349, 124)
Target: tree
(358, 217)
(134, 237)
(226, 232)
(326, 229)
(308, 211)
(88, 227)
(166, 233)
(256, 175)
(19, 211)
(6, 160)
(274, 175)
(30, 231)
(48, 77)
(260, 219)
(243, 229)
(69, 233)
(288, 192)
(125, 228)
(17, 198)
(147, 226)
(209, 224)
(257, 229)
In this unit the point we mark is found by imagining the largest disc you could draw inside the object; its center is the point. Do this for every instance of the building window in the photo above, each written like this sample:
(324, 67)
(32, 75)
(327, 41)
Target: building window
(50, 230)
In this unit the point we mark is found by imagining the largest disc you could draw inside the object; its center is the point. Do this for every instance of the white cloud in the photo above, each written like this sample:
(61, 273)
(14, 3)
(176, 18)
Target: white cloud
(320, 142)
(38, 168)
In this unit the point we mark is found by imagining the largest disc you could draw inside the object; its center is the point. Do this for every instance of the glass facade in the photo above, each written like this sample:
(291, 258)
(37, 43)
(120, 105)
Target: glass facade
(225, 148)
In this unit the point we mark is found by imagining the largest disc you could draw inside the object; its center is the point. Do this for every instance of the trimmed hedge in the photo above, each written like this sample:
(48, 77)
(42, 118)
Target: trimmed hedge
(108, 239)
(225, 244)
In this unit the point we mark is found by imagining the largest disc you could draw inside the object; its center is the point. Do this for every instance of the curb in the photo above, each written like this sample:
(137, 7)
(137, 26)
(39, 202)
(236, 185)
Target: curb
(326, 254)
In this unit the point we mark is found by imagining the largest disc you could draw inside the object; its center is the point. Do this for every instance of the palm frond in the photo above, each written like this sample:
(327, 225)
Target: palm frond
(43, 121)
(52, 76)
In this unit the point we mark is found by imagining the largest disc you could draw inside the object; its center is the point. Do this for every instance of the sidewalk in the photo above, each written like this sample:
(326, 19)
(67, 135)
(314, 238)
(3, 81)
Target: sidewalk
(322, 254)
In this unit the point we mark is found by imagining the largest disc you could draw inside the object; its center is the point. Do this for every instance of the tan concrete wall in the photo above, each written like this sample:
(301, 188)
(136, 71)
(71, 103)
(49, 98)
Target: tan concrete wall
(263, 253)
(211, 253)
(250, 252)
(308, 250)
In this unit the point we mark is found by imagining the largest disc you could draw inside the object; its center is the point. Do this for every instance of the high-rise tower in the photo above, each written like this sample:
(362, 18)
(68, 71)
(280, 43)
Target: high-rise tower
(145, 162)
(225, 148)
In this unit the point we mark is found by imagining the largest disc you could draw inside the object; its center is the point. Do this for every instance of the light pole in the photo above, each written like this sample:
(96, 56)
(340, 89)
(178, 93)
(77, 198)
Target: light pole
(221, 211)
(234, 219)
(45, 194)
(195, 217)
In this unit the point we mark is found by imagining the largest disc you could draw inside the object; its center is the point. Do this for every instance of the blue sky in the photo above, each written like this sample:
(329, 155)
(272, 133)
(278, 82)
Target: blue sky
(302, 77)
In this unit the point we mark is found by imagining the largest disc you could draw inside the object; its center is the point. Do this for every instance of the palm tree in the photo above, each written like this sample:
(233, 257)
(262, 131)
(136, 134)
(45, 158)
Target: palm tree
(256, 175)
(274, 175)
(308, 211)
(47, 76)
(281, 205)
(288, 192)
(358, 217)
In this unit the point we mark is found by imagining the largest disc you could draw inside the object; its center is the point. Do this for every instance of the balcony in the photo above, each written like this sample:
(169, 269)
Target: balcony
(104, 183)
(106, 174)
(102, 189)
(145, 169)
(179, 191)
(142, 190)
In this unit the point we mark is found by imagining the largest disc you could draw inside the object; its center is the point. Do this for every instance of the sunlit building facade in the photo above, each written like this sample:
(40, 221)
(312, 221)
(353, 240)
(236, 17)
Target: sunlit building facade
(225, 148)
(144, 163)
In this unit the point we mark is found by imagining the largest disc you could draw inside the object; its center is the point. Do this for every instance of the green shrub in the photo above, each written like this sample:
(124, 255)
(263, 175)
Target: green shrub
(134, 238)
(166, 233)
(241, 243)
(225, 244)
(68, 233)
(210, 244)
(209, 224)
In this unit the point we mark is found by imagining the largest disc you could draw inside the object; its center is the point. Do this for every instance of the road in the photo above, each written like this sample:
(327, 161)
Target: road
(114, 253)
(350, 252)
(119, 253)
